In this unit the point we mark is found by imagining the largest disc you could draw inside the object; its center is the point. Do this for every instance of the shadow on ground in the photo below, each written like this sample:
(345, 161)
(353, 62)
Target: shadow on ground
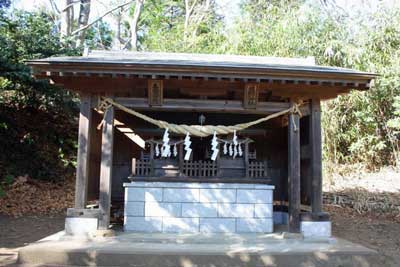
(19, 232)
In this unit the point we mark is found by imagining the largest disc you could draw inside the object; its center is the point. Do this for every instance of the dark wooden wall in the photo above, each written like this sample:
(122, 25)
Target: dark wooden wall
(272, 146)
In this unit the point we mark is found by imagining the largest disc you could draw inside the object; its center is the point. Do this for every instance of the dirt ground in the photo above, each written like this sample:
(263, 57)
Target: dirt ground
(18, 232)
(380, 233)
(376, 232)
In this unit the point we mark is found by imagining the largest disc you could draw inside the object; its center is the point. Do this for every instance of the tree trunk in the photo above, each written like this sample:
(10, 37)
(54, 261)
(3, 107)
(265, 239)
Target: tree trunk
(67, 18)
(134, 23)
(118, 41)
(188, 12)
(83, 20)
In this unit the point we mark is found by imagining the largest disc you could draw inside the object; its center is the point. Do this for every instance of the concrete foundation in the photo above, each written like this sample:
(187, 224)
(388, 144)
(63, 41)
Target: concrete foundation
(200, 250)
(198, 207)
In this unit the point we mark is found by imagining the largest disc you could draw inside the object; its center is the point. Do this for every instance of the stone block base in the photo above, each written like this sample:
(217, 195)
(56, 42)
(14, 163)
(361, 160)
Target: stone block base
(198, 207)
(81, 226)
(316, 229)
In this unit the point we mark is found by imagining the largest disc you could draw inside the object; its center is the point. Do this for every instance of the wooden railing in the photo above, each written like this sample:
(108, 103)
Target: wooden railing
(255, 169)
(142, 168)
(200, 168)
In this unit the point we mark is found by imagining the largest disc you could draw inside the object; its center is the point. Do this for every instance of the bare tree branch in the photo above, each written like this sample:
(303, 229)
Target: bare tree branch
(71, 4)
(54, 6)
(102, 16)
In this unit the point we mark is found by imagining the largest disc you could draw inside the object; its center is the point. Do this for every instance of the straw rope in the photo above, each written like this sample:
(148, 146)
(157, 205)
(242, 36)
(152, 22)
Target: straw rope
(198, 130)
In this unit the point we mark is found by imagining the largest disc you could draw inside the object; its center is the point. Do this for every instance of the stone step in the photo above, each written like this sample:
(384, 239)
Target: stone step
(163, 250)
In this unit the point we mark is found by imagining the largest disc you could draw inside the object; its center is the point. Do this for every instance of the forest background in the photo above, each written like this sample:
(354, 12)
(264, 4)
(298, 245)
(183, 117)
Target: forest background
(38, 121)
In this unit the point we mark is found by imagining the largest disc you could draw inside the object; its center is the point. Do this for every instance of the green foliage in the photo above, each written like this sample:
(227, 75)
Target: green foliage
(35, 117)
(23, 37)
(162, 29)
(100, 36)
(355, 126)
(395, 122)
(37, 130)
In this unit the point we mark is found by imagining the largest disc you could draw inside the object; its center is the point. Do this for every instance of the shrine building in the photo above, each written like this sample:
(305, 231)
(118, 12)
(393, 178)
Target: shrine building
(192, 143)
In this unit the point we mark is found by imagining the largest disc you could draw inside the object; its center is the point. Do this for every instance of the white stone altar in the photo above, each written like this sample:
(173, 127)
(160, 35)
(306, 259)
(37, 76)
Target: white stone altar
(170, 207)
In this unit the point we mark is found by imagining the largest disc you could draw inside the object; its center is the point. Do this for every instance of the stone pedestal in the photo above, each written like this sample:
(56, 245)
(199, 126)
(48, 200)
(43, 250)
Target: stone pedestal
(316, 225)
(81, 222)
(198, 207)
(81, 226)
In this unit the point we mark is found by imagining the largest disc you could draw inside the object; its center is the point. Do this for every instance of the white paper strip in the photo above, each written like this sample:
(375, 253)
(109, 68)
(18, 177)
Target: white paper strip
(188, 152)
(235, 144)
(157, 150)
(187, 143)
(240, 151)
(166, 149)
(214, 145)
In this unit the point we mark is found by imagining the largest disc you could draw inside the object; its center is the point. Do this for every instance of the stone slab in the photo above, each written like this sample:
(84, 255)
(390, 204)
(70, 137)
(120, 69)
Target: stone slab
(143, 194)
(181, 195)
(165, 207)
(205, 210)
(235, 210)
(263, 210)
(143, 224)
(253, 225)
(134, 209)
(316, 229)
(81, 226)
(217, 225)
(211, 195)
(254, 196)
(200, 250)
(181, 225)
(198, 185)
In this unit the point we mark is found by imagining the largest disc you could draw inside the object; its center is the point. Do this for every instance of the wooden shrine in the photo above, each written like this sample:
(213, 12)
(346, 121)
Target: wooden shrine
(116, 147)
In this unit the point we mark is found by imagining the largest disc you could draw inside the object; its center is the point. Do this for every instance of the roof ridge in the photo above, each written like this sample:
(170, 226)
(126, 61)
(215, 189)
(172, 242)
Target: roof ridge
(307, 61)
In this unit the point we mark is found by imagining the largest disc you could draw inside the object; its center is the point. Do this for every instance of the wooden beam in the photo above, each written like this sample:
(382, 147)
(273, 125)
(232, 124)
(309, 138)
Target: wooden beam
(159, 132)
(316, 155)
(294, 172)
(83, 213)
(107, 147)
(82, 168)
(189, 105)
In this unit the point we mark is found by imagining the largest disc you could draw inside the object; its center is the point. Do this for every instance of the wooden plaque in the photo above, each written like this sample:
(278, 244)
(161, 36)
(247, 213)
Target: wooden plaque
(250, 95)
(155, 92)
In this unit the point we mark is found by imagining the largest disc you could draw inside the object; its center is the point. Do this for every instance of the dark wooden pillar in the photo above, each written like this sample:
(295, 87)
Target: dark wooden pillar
(294, 172)
(246, 159)
(316, 156)
(82, 168)
(107, 147)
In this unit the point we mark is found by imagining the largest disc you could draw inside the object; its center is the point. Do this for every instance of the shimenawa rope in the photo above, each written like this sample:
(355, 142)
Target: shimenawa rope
(198, 130)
